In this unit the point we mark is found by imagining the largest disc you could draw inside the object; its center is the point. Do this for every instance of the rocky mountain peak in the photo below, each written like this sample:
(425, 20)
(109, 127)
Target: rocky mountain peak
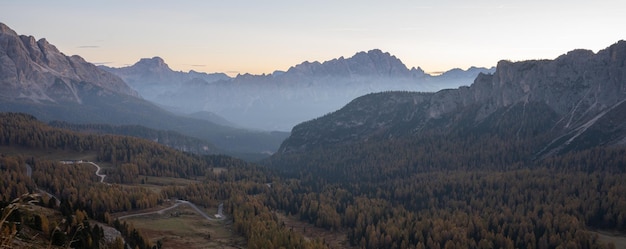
(373, 63)
(4, 29)
(578, 54)
(152, 62)
(38, 71)
(155, 64)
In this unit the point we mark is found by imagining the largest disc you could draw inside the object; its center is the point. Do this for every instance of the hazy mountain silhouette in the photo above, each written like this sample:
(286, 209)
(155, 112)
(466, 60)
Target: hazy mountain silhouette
(280, 100)
(152, 77)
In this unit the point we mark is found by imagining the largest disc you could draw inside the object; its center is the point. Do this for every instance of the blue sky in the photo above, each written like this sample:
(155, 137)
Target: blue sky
(263, 36)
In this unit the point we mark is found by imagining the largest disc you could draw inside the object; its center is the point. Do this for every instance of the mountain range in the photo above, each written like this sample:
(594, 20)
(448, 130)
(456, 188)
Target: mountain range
(280, 100)
(574, 102)
(36, 78)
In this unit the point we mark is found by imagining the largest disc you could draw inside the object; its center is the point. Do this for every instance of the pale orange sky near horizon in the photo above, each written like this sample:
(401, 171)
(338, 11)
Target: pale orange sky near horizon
(261, 37)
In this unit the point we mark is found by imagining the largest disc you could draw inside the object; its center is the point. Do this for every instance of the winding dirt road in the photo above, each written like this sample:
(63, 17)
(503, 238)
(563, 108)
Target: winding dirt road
(178, 203)
(97, 171)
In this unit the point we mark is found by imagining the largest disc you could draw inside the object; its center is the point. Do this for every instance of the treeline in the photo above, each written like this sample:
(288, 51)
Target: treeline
(168, 138)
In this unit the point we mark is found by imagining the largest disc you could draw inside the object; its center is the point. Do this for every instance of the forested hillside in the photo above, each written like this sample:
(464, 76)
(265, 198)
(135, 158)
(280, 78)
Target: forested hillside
(461, 189)
(69, 195)
(169, 138)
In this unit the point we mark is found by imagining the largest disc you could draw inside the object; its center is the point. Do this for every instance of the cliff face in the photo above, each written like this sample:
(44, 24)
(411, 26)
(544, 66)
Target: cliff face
(35, 70)
(576, 85)
(582, 89)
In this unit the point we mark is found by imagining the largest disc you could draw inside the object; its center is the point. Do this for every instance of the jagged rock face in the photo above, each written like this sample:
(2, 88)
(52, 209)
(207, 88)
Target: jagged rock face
(577, 85)
(373, 63)
(584, 90)
(38, 71)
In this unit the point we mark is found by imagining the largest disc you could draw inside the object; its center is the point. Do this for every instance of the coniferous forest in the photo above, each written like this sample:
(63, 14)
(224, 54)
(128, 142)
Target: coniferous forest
(461, 189)
(77, 195)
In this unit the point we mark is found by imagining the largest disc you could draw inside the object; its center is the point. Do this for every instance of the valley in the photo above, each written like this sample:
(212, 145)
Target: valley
(530, 154)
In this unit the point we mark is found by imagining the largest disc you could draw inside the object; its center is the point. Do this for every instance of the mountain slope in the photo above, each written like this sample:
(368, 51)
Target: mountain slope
(38, 71)
(38, 79)
(574, 101)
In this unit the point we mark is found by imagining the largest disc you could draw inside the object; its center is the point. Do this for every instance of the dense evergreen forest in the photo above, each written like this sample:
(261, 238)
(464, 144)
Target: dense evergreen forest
(169, 138)
(443, 190)
(459, 186)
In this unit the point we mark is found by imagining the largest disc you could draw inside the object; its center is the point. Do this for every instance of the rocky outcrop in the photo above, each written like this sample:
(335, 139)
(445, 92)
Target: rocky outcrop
(37, 71)
(583, 89)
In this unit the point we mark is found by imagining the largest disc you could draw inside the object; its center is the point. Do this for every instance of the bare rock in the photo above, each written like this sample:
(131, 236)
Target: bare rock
(38, 71)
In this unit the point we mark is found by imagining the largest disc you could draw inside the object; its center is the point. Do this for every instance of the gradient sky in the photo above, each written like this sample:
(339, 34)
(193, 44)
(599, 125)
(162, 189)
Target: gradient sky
(235, 36)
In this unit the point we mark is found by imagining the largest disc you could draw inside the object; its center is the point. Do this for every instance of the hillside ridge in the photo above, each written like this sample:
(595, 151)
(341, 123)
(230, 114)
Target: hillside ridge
(580, 88)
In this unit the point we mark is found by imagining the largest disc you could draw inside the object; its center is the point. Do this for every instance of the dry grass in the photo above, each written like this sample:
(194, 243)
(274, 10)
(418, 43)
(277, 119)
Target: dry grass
(218, 171)
(183, 228)
(155, 184)
(619, 240)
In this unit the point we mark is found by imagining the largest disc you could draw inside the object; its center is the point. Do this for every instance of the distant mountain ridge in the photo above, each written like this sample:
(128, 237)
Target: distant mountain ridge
(576, 101)
(152, 76)
(282, 99)
(374, 63)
